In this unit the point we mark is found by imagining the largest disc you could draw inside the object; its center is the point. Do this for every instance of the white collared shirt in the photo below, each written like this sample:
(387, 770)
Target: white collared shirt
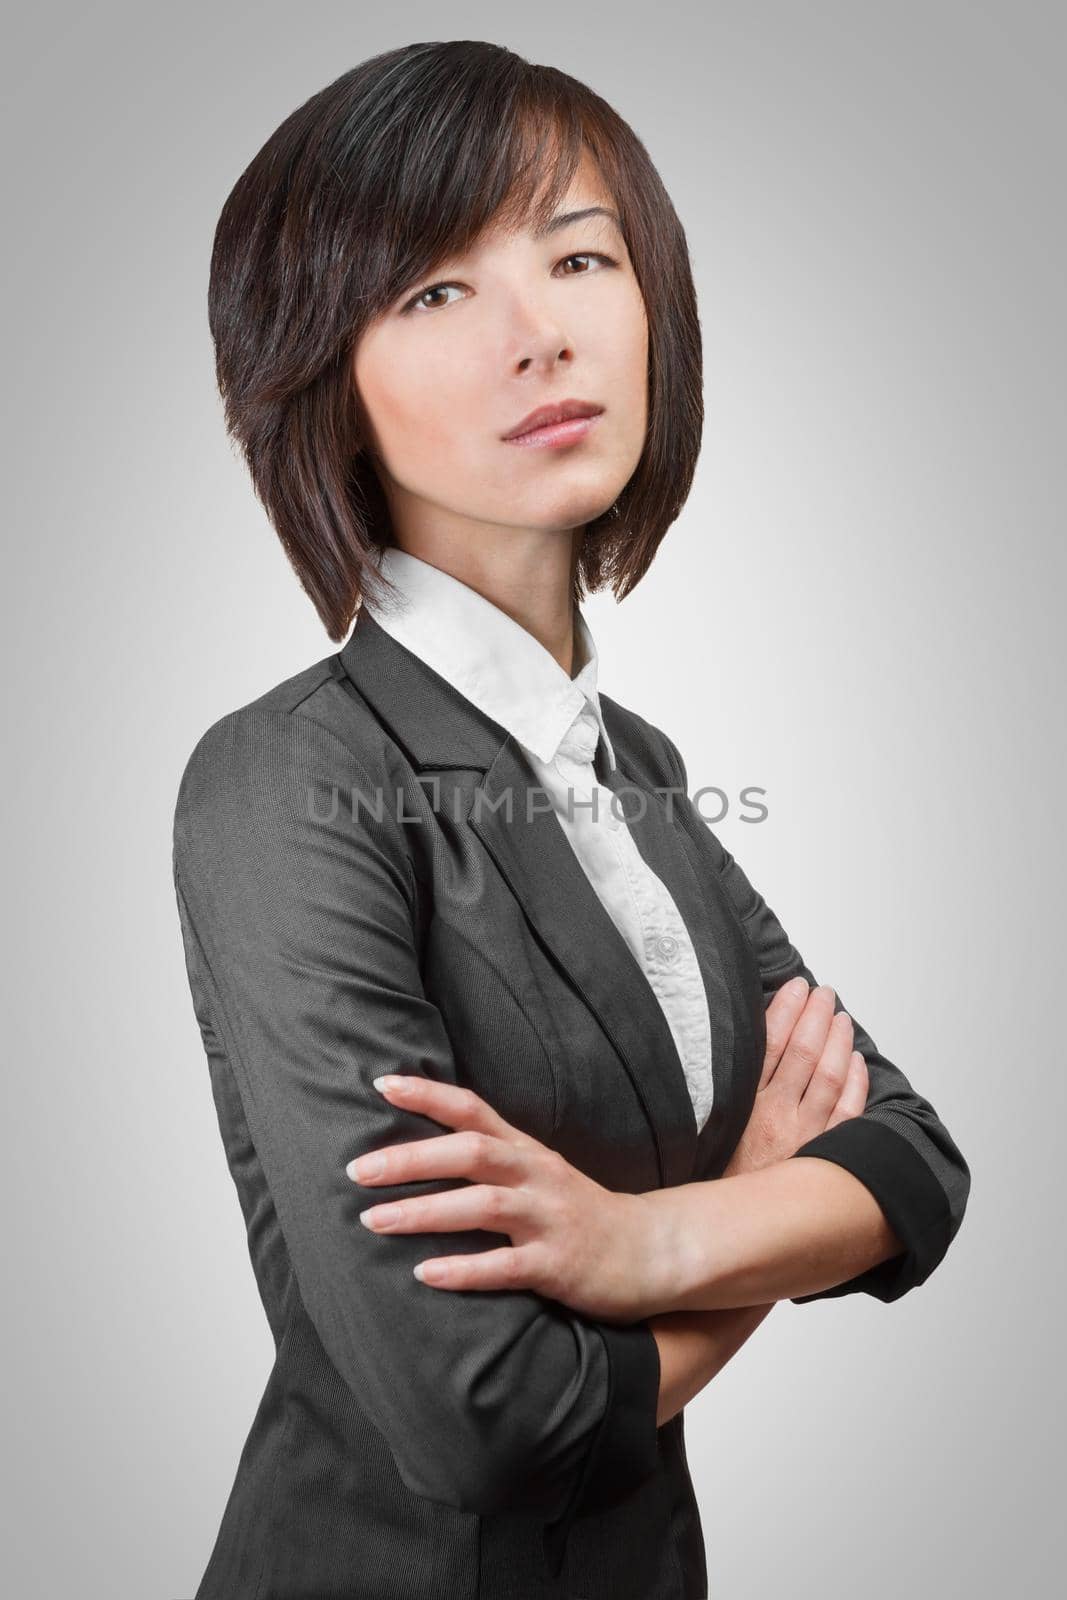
(502, 669)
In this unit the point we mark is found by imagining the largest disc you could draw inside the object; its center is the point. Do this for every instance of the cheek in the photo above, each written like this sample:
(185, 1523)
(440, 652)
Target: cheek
(623, 345)
(630, 385)
(637, 345)
(419, 411)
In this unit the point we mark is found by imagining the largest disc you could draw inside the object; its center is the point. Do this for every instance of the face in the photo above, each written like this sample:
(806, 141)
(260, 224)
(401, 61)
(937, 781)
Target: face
(517, 323)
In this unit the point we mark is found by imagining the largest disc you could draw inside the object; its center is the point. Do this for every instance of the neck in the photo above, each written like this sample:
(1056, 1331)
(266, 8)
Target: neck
(529, 574)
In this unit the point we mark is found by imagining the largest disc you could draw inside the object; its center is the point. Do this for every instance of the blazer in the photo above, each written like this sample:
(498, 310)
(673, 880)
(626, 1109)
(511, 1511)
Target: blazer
(415, 1443)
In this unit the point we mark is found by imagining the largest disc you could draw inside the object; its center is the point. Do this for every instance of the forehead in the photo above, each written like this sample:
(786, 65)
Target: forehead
(587, 178)
(585, 190)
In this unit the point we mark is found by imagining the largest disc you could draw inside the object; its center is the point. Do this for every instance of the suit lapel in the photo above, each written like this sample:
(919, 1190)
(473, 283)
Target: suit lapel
(536, 858)
(441, 729)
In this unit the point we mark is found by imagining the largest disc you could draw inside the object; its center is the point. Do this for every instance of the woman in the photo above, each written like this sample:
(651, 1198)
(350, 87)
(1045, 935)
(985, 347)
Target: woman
(457, 341)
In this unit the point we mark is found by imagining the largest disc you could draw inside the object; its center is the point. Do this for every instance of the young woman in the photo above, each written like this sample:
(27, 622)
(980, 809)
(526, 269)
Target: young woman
(532, 1108)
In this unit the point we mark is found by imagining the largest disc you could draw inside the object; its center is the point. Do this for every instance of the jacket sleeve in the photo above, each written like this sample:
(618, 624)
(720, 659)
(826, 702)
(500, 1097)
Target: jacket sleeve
(898, 1146)
(299, 931)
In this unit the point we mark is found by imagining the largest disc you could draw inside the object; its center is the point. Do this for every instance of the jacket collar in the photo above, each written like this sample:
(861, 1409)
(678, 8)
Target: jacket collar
(435, 725)
(489, 657)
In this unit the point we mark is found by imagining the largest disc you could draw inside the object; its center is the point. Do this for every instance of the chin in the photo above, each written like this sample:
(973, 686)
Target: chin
(572, 509)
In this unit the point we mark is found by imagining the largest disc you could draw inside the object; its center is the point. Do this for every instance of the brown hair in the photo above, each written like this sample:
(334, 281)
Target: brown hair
(392, 168)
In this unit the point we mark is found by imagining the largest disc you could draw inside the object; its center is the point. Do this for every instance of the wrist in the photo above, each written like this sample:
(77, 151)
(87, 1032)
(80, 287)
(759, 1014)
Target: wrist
(679, 1260)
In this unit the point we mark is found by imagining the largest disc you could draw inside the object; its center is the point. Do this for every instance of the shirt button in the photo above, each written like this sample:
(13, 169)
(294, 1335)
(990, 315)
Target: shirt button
(667, 946)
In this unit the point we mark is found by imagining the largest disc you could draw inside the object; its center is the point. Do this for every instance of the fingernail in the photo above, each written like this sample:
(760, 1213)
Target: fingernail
(438, 1272)
(798, 985)
(379, 1216)
(387, 1081)
(366, 1167)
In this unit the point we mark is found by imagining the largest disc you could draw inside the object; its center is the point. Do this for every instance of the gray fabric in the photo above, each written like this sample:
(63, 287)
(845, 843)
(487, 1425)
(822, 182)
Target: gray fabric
(415, 1442)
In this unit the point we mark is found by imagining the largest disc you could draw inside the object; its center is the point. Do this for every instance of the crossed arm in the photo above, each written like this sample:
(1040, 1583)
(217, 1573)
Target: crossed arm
(703, 1262)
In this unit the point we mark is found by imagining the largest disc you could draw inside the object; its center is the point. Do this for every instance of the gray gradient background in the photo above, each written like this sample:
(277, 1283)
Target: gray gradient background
(860, 609)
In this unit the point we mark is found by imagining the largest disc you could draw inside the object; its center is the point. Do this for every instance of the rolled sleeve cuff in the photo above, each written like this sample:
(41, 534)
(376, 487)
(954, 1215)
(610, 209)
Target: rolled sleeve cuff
(626, 1449)
(915, 1205)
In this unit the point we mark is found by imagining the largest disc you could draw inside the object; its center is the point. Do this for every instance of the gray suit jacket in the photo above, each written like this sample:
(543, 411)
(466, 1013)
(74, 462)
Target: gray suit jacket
(412, 1442)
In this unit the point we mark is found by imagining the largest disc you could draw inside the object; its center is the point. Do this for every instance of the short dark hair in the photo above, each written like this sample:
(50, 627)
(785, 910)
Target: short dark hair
(397, 165)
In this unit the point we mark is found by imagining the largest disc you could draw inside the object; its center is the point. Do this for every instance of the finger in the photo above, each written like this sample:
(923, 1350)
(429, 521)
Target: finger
(507, 1268)
(449, 1103)
(831, 1071)
(852, 1101)
(782, 1016)
(446, 1155)
(806, 1042)
(479, 1205)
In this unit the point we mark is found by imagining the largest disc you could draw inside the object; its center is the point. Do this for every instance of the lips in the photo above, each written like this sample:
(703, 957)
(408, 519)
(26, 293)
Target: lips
(545, 416)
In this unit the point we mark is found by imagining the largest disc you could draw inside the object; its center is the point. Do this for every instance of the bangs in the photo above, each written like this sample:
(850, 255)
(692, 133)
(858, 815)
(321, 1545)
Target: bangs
(489, 155)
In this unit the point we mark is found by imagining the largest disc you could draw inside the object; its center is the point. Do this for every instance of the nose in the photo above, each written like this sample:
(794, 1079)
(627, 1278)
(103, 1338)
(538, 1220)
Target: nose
(538, 340)
(546, 357)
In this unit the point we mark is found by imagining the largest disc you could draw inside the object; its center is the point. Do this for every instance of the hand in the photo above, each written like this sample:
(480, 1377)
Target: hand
(812, 1078)
(571, 1239)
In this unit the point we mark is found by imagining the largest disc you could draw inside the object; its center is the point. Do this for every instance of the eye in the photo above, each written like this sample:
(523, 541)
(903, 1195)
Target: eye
(587, 256)
(434, 288)
(417, 299)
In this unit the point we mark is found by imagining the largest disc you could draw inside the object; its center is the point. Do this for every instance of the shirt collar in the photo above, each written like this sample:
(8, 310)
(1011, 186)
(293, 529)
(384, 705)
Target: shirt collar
(489, 657)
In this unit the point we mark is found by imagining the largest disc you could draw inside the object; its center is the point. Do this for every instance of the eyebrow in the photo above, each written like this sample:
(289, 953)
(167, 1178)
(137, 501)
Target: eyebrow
(567, 217)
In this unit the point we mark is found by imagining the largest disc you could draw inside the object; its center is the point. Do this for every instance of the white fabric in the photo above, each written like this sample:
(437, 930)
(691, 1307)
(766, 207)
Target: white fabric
(502, 669)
